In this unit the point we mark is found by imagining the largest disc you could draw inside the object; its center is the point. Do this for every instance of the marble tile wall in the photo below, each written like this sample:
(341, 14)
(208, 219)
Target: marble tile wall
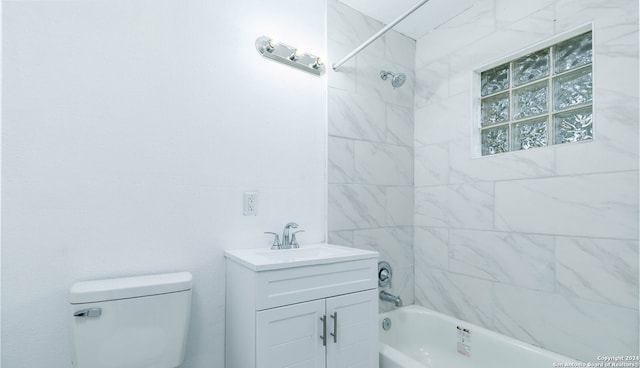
(540, 245)
(370, 166)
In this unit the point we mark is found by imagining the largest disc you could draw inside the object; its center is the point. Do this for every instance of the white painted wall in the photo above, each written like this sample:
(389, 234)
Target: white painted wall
(540, 245)
(130, 131)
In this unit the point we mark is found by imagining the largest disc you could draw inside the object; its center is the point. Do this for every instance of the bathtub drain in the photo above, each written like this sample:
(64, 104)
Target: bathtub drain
(386, 323)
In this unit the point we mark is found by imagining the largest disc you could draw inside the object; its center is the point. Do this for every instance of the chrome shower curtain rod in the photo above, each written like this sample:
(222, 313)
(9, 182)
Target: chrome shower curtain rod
(377, 35)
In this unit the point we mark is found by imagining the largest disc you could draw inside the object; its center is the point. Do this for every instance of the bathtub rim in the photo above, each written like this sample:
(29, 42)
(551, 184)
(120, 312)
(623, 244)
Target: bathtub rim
(414, 308)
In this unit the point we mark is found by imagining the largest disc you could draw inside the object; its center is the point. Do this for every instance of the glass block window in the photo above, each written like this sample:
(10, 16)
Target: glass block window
(539, 99)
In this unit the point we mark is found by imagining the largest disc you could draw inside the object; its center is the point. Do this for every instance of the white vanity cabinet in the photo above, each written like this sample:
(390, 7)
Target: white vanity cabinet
(333, 332)
(309, 315)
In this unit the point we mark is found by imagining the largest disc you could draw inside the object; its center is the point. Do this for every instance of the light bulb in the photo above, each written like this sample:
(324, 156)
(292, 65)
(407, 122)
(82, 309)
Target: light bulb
(295, 55)
(317, 64)
(270, 46)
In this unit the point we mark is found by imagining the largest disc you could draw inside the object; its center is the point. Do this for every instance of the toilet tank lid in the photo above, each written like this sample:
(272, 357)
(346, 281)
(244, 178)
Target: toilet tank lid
(129, 287)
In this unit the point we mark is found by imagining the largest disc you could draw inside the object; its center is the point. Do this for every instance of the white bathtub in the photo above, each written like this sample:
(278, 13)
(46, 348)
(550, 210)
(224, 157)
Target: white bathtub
(420, 337)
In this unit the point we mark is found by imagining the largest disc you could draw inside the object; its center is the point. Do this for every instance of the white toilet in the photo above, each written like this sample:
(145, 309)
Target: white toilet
(133, 322)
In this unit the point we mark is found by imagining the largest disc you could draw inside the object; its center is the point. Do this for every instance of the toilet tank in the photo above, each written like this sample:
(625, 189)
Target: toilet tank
(132, 322)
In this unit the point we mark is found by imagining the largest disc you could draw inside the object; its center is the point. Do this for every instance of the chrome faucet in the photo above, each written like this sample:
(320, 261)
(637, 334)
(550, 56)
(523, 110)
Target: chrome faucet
(388, 297)
(286, 238)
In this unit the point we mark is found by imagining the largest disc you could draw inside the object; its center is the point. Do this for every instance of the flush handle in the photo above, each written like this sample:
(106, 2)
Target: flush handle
(91, 312)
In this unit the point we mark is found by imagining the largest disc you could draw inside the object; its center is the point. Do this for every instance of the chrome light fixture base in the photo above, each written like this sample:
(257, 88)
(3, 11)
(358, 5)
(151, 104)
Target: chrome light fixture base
(289, 55)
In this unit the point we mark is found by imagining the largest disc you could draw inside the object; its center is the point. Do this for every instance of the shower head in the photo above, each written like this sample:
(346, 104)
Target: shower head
(397, 79)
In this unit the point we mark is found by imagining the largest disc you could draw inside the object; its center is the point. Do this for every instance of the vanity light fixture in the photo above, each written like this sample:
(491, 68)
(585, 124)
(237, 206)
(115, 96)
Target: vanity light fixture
(289, 55)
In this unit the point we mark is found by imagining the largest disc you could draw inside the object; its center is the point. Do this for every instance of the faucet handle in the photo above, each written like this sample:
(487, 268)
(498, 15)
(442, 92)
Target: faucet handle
(294, 241)
(276, 240)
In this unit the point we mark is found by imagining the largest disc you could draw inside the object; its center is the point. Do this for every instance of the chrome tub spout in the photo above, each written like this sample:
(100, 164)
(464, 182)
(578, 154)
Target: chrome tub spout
(388, 297)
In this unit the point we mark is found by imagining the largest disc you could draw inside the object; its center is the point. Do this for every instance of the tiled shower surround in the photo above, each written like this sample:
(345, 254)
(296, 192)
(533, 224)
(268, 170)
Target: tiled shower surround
(371, 144)
(540, 245)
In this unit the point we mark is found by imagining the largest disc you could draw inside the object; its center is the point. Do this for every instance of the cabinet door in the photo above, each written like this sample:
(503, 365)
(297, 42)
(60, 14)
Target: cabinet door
(352, 321)
(289, 336)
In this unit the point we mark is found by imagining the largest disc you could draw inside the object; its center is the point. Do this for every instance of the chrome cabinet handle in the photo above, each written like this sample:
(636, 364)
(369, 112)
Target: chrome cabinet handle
(335, 326)
(91, 312)
(324, 330)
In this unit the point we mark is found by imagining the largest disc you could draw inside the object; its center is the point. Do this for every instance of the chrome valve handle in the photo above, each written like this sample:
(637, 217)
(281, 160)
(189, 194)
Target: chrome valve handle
(276, 240)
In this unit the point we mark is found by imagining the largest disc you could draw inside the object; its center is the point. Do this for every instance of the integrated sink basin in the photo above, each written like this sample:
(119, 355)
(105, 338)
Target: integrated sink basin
(262, 259)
